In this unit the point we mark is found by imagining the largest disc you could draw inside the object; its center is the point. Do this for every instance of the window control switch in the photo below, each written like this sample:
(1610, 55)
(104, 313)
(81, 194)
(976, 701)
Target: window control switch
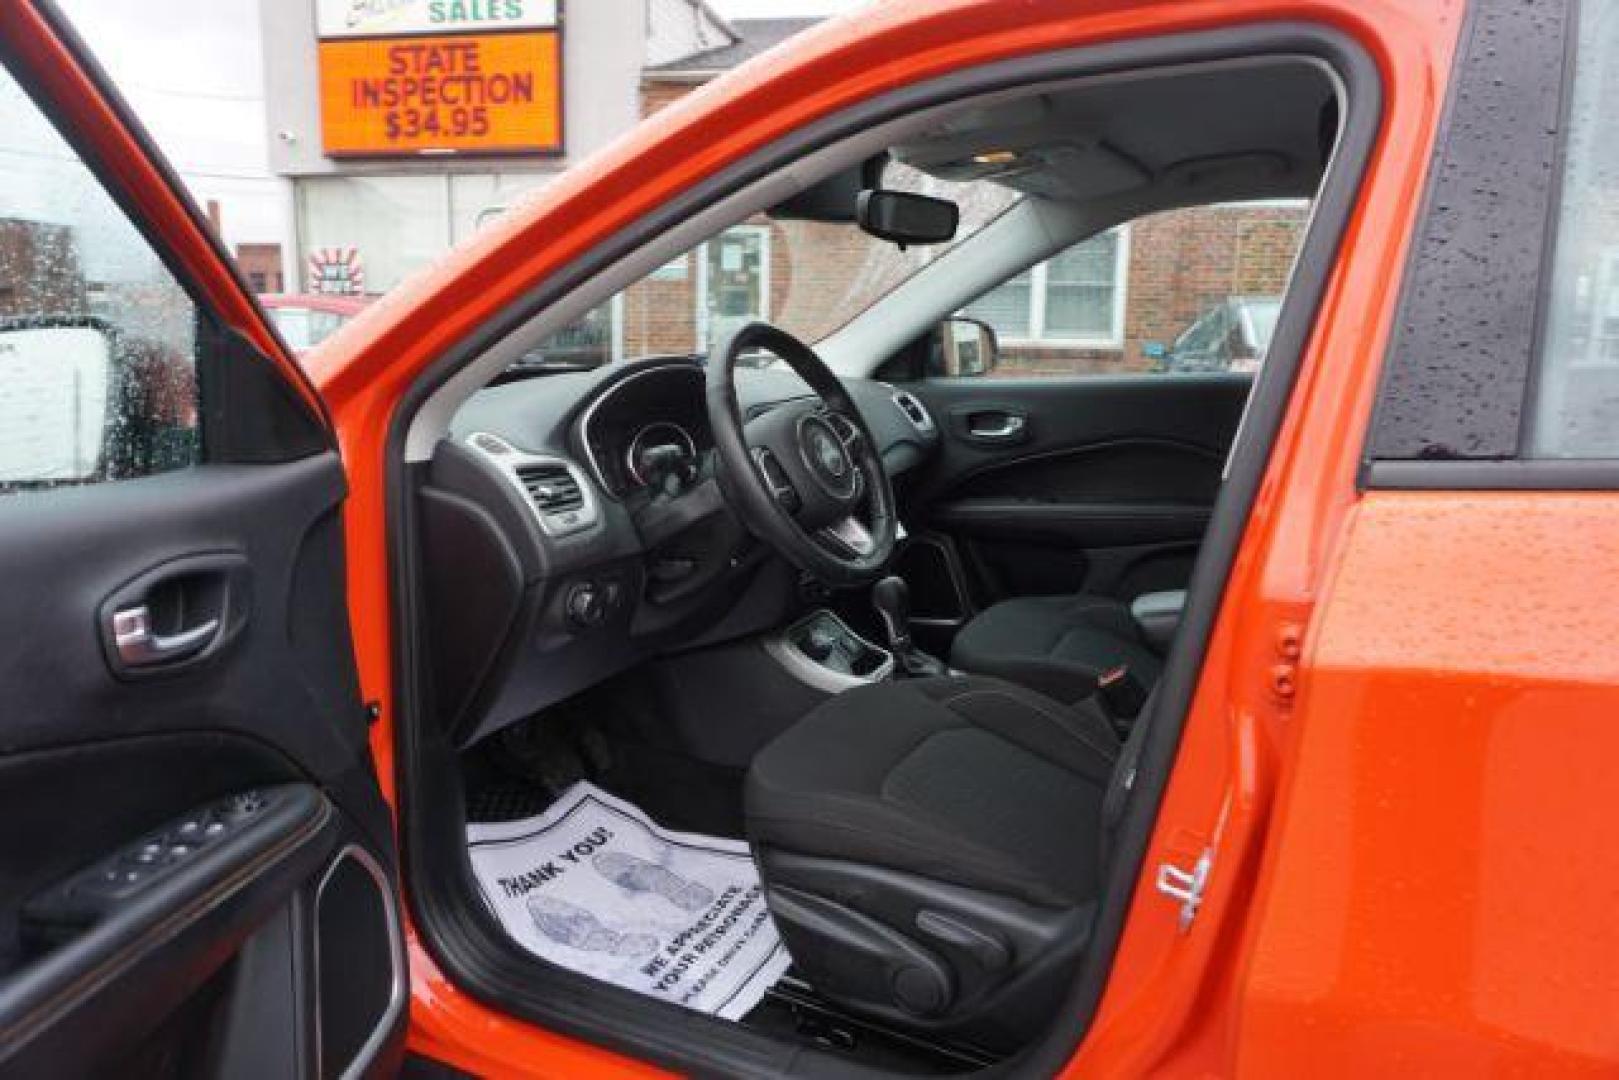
(77, 902)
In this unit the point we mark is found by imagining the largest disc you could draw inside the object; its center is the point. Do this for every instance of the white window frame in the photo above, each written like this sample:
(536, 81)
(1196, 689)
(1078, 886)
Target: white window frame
(617, 314)
(763, 232)
(1113, 339)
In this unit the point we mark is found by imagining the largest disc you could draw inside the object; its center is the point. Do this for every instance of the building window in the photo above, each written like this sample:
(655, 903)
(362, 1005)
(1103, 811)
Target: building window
(1075, 298)
(733, 283)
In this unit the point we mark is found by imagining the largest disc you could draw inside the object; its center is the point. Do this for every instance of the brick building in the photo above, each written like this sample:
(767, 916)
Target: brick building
(1176, 266)
(39, 269)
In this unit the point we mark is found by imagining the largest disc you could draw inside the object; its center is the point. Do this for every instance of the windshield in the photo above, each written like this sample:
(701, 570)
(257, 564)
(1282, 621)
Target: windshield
(807, 277)
(1262, 320)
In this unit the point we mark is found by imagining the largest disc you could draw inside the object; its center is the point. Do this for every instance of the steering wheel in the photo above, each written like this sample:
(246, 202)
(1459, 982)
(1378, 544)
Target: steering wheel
(805, 476)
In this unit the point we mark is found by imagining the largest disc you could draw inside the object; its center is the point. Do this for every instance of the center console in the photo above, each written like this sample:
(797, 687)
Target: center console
(821, 650)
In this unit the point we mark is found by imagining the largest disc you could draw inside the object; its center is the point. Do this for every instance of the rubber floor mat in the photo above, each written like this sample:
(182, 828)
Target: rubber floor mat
(595, 886)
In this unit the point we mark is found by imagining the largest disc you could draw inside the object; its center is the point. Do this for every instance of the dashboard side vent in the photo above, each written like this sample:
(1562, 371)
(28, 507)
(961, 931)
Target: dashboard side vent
(914, 411)
(562, 498)
(552, 488)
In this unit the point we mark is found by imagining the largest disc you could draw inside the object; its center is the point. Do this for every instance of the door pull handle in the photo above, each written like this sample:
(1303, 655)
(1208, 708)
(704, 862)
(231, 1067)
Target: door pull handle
(139, 646)
(1010, 427)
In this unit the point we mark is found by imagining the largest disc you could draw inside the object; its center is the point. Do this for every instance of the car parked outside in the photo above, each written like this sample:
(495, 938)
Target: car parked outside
(307, 319)
(1230, 336)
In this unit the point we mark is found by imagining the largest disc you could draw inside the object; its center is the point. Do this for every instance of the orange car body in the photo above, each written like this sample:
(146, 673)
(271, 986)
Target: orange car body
(1398, 754)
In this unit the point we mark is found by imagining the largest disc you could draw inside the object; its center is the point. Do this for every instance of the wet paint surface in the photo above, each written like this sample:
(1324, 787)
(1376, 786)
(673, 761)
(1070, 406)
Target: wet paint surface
(1439, 893)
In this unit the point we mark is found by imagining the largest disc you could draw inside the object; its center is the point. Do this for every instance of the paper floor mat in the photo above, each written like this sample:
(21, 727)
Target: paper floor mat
(594, 886)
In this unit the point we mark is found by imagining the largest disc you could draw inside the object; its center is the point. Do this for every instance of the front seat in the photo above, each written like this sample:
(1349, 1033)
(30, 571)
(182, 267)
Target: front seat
(1058, 645)
(932, 849)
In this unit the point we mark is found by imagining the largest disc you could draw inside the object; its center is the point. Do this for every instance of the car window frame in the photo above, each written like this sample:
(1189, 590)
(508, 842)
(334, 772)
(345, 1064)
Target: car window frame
(1429, 430)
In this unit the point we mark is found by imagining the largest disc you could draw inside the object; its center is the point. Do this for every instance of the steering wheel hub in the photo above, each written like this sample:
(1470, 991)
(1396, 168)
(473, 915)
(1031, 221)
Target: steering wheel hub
(827, 460)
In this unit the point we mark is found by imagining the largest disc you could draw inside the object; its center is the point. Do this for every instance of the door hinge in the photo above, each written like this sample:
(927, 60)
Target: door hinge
(1186, 885)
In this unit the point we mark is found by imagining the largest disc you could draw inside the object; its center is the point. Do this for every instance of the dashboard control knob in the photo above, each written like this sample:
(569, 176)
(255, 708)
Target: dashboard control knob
(585, 605)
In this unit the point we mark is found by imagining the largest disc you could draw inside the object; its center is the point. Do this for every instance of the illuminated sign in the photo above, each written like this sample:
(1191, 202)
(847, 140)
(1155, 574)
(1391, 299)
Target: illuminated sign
(488, 80)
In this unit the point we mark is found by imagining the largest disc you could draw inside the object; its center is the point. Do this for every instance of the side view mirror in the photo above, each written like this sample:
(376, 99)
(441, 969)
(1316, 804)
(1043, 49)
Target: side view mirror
(57, 398)
(906, 218)
(968, 347)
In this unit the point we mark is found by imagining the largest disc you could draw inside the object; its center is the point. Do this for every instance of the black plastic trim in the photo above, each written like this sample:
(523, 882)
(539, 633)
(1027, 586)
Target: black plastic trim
(1548, 474)
(1455, 382)
(460, 935)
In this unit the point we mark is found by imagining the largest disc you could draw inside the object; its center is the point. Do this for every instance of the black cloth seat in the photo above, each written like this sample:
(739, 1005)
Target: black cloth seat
(1057, 645)
(932, 849)
(966, 780)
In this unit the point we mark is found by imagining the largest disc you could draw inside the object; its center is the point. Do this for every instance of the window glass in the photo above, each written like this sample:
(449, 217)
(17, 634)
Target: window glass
(807, 277)
(1576, 414)
(1204, 337)
(1261, 315)
(1009, 309)
(97, 339)
(1180, 292)
(1082, 285)
(1071, 297)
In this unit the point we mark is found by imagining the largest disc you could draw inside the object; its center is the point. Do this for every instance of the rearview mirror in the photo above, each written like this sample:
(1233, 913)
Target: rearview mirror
(905, 218)
(56, 397)
(967, 347)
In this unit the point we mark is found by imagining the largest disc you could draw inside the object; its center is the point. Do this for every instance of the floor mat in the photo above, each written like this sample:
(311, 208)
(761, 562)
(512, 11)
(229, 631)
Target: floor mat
(594, 886)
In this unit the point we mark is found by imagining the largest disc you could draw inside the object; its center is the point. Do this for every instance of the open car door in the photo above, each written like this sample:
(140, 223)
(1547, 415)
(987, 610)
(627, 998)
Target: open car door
(197, 869)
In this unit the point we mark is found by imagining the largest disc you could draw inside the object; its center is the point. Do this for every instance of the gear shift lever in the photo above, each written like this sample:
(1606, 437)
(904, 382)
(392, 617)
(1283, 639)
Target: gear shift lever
(892, 599)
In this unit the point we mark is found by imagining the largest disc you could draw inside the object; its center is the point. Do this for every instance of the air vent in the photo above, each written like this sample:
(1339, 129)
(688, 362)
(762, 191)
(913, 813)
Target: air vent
(552, 487)
(914, 411)
(561, 496)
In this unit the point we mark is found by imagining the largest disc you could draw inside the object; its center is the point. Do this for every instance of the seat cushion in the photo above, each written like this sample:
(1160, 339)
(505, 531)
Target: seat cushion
(966, 780)
(1057, 645)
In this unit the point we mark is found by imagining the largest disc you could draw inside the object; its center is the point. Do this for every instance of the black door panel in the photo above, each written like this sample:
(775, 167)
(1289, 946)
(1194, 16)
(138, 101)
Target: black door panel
(103, 764)
(1077, 524)
(1104, 485)
(1129, 471)
(103, 961)
(67, 553)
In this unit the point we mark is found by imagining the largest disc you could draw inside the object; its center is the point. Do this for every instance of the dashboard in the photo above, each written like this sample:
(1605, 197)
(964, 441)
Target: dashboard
(573, 525)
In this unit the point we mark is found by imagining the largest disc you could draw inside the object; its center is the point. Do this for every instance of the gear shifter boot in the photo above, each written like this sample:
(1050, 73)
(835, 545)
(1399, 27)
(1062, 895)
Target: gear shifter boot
(892, 599)
(916, 664)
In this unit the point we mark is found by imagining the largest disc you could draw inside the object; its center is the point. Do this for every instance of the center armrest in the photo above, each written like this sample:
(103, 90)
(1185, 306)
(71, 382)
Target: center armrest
(1158, 616)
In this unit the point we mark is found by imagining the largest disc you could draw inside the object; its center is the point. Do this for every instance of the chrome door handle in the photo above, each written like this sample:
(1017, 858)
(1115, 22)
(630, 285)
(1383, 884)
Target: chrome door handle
(1011, 427)
(139, 646)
